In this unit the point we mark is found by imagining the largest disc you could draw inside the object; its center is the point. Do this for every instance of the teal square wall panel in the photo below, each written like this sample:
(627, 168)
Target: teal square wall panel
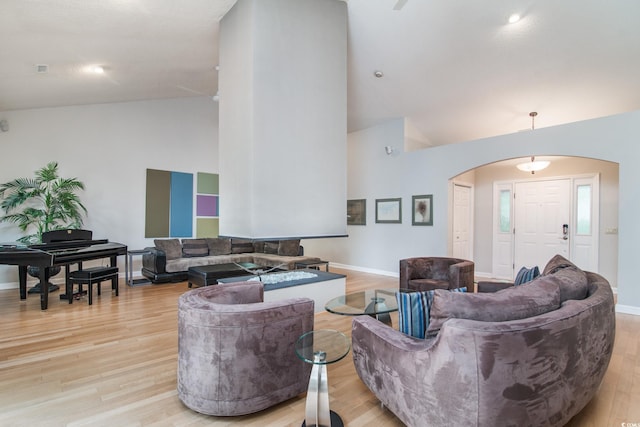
(181, 205)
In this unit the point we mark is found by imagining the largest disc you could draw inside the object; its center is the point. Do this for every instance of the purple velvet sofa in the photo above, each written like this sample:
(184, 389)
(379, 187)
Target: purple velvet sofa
(236, 353)
(530, 355)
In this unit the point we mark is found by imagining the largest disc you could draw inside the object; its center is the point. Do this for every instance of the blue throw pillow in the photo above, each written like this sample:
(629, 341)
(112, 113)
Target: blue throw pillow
(526, 275)
(414, 309)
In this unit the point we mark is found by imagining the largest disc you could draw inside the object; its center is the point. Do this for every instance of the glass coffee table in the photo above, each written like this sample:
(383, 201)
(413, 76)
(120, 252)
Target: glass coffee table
(321, 348)
(377, 303)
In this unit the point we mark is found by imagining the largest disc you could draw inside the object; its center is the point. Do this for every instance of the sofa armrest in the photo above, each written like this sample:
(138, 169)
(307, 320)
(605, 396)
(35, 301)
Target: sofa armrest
(369, 332)
(405, 273)
(461, 275)
(155, 260)
(386, 361)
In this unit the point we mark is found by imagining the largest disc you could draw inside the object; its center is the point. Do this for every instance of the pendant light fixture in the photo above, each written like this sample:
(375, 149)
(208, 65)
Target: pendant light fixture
(534, 165)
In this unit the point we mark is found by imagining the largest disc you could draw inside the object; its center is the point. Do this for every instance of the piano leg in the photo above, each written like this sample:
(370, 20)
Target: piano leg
(22, 274)
(114, 281)
(44, 289)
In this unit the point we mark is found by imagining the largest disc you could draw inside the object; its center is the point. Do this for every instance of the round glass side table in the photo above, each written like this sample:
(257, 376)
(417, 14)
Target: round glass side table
(320, 348)
(376, 303)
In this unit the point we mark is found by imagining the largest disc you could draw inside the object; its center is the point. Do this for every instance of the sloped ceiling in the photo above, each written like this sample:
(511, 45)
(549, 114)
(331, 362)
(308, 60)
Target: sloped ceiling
(457, 70)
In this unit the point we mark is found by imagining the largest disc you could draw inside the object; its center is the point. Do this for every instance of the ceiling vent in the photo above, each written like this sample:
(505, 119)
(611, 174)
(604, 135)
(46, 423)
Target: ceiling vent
(42, 68)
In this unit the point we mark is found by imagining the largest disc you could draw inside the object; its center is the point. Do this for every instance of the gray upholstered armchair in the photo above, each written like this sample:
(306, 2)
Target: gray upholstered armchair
(429, 273)
(236, 353)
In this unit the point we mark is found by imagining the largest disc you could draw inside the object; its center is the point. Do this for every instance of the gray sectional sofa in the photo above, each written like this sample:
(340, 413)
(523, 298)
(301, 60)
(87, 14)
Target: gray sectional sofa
(530, 355)
(169, 260)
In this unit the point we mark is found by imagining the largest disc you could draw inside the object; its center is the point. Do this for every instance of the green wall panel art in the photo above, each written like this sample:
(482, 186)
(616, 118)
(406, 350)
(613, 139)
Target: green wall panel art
(170, 204)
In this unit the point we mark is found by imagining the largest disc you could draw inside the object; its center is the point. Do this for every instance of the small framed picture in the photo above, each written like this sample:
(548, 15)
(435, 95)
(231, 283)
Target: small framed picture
(389, 211)
(422, 210)
(357, 212)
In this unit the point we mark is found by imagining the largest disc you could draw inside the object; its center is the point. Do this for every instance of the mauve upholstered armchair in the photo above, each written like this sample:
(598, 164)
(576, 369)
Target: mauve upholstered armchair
(236, 353)
(429, 273)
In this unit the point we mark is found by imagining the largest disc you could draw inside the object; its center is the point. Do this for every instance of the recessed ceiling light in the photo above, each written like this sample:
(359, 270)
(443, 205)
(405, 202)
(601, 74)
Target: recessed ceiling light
(514, 18)
(93, 69)
(378, 73)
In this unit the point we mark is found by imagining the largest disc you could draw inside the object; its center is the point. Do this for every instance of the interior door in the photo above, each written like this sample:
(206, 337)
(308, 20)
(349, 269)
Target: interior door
(542, 221)
(462, 225)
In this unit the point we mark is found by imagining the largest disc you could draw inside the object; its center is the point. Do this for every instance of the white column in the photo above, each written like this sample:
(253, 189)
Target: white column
(283, 112)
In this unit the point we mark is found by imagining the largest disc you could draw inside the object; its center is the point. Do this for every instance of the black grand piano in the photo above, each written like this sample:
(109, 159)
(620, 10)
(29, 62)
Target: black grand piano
(60, 248)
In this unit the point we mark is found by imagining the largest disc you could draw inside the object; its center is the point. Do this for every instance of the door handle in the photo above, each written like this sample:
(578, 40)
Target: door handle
(565, 231)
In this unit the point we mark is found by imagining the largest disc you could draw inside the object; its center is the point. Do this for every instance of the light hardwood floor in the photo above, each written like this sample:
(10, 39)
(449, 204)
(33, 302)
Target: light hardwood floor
(114, 364)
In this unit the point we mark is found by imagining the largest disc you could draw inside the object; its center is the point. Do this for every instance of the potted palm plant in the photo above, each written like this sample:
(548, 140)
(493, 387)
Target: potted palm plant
(44, 203)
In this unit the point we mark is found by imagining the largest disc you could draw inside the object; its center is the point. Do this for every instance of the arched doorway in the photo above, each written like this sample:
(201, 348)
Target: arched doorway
(489, 181)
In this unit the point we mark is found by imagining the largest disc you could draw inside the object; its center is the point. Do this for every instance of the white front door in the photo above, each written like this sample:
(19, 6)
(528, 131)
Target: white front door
(542, 222)
(462, 226)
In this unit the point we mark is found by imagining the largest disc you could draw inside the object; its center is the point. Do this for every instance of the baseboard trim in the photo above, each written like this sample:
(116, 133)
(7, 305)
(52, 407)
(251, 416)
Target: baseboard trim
(365, 269)
(9, 285)
(627, 309)
(483, 275)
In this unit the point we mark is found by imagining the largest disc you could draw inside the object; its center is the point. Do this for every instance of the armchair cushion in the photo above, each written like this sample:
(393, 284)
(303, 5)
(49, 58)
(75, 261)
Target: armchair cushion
(219, 245)
(241, 246)
(519, 302)
(194, 248)
(414, 309)
(172, 248)
(557, 263)
(289, 247)
(573, 281)
(271, 248)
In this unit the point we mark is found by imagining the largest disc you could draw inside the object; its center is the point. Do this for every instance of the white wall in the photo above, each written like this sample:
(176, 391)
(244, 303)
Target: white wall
(372, 174)
(109, 147)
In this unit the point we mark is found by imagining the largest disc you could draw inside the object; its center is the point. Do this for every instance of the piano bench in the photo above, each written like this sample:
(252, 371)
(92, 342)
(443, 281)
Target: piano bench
(89, 276)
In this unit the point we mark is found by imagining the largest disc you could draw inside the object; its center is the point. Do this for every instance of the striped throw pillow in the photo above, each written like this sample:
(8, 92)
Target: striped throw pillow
(526, 275)
(414, 309)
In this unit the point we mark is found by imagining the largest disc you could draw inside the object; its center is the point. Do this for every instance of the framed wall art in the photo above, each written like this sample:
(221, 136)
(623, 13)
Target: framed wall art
(357, 212)
(389, 211)
(422, 210)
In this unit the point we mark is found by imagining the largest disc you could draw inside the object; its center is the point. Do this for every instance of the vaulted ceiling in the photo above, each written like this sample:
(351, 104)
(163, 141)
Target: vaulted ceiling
(457, 70)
